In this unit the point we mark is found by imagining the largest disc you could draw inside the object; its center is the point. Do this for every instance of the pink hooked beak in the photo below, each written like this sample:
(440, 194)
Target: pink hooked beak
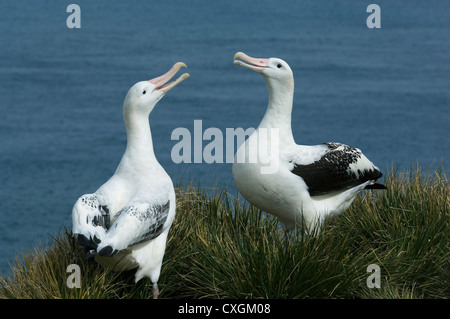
(256, 64)
(161, 81)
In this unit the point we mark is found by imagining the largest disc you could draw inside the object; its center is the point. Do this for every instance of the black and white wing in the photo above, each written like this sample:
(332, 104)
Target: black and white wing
(339, 167)
(136, 223)
(90, 220)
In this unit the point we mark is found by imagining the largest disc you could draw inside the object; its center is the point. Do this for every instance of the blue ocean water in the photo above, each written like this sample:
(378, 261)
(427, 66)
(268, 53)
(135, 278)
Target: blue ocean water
(384, 90)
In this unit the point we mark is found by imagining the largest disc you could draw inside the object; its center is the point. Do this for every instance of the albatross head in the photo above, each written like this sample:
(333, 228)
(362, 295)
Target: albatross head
(273, 70)
(144, 95)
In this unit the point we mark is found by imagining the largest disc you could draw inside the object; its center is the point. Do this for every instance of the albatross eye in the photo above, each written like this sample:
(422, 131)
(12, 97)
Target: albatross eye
(279, 65)
(144, 92)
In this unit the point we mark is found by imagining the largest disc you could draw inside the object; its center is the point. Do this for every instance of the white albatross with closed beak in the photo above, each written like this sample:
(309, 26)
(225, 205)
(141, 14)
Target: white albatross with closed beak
(309, 182)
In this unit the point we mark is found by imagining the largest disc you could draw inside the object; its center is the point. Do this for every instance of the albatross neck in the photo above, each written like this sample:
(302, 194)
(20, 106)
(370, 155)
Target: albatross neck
(279, 110)
(139, 138)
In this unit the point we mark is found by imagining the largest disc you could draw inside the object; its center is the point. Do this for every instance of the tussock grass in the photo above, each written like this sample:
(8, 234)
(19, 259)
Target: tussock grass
(222, 247)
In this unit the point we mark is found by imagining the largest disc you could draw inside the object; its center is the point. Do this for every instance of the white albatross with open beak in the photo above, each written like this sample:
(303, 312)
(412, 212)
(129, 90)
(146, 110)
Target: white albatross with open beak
(125, 223)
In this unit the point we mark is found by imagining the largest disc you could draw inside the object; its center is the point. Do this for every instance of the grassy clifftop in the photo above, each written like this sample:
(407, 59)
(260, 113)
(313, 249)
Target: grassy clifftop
(220, 247)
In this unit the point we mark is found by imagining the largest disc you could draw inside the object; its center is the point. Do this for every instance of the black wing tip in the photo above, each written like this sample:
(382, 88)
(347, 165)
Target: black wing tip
(90, 246)
(376, 186)
(83, 240)
(88, 242)
(378, 172)
(107, 251)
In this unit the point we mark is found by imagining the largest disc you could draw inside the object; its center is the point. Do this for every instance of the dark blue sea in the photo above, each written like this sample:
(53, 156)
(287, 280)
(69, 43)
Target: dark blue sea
(384, 90)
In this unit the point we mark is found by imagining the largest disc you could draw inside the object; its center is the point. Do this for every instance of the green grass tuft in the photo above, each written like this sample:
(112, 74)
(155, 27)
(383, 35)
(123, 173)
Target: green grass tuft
(222, 247)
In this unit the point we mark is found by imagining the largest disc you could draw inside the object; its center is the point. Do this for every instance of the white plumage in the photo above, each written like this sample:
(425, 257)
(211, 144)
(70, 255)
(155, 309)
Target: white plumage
(125, 223)
(301, 185)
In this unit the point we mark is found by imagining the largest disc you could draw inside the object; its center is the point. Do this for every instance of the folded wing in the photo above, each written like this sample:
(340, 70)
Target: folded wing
(340, 168)
(136, 223)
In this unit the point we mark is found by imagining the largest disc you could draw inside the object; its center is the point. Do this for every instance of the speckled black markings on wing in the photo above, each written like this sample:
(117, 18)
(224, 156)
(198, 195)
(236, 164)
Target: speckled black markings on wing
(154, 217)
(102, 219)
(332, 171)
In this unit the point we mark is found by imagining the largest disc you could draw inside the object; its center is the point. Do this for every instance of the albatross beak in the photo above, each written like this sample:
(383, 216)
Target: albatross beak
(161, 81)
(256, 64)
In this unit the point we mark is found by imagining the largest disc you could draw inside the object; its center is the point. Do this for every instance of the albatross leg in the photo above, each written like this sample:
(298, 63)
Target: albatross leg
(155, 291)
